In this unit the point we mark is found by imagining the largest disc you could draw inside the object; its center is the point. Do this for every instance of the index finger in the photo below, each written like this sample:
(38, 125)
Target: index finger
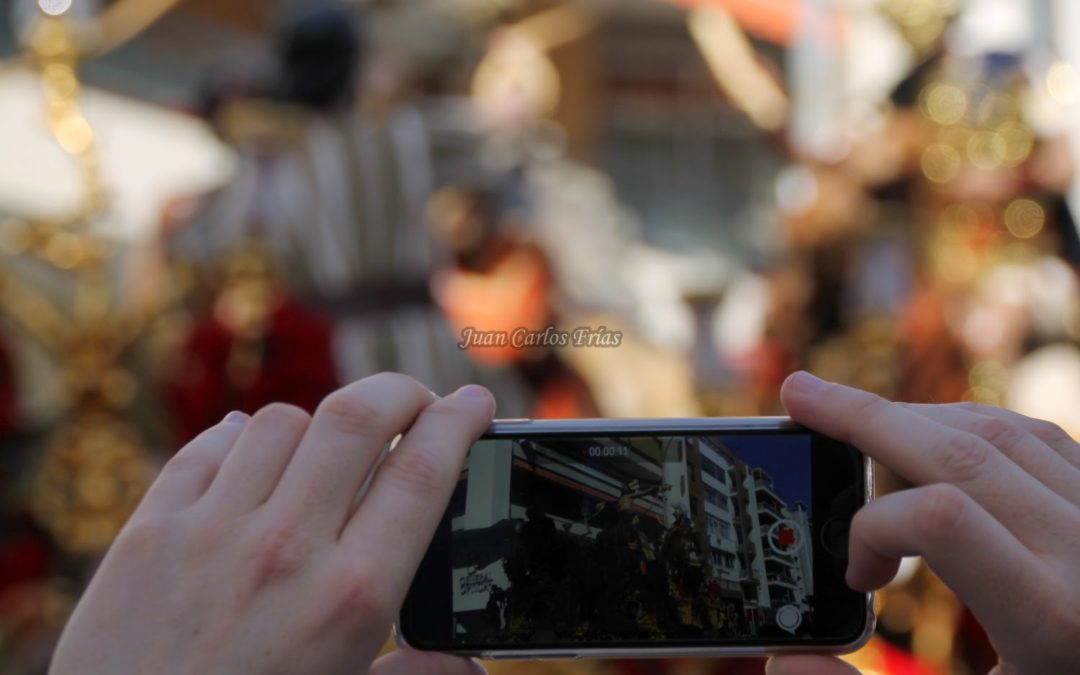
(927, 452)
(398, 515)
(1047, 432)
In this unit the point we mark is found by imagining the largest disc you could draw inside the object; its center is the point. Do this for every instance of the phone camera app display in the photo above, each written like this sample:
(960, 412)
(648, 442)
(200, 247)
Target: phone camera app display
(649, 538)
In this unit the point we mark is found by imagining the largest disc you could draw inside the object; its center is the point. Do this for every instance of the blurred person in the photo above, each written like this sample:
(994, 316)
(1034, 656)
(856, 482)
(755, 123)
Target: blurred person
(250, 553)
(500, 284)
(334, 171)
(256, 344)
(601, 272)
(597, 258)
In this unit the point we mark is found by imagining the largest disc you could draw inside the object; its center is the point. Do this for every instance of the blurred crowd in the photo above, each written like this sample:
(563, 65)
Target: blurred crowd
(686, 175)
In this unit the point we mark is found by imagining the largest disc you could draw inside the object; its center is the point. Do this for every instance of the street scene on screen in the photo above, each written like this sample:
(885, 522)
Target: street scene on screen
(647, 538)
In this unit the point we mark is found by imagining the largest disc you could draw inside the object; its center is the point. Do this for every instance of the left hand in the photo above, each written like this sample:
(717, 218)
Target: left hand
(249, 554)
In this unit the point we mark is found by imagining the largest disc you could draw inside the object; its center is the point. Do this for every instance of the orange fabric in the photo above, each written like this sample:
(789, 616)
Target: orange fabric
(514, 293)
(772, 20)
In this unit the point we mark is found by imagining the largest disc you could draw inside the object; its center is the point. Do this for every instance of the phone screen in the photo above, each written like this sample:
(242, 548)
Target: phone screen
(674, 538)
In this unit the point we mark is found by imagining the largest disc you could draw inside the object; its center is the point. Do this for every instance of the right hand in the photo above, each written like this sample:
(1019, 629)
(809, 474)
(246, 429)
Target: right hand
(995, 513)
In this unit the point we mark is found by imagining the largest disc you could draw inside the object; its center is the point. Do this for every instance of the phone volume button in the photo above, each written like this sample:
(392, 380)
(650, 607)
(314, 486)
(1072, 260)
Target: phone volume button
(513, 420)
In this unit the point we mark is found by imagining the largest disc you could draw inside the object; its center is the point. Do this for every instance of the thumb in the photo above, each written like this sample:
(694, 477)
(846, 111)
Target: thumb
(808, 665)
(412, 661)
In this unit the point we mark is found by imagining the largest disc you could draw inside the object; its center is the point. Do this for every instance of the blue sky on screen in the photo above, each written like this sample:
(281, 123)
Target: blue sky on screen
(786, 457)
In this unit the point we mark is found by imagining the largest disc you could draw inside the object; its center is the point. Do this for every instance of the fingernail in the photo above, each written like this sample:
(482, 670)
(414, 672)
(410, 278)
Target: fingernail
(776, 666)
(805, 383)
(236, 417)
(474, 391)
(477, 667)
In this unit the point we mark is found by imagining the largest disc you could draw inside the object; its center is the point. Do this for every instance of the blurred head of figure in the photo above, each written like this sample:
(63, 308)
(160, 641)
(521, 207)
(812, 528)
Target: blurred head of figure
(515, 84)
(319, 45)
(463, 219)
(317, 54)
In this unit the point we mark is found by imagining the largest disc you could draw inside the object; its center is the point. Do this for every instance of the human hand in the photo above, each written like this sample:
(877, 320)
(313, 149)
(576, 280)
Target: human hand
(250, 554)
(995, 513)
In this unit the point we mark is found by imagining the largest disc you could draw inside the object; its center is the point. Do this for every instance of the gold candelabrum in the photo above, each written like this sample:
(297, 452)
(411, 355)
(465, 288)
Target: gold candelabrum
(95, 466)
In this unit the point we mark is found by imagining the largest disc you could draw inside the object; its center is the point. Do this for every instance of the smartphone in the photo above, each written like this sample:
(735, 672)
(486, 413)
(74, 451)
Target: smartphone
(645, 538)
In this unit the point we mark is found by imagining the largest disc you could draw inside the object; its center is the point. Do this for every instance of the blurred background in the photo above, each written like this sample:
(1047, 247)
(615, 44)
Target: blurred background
(208, 206)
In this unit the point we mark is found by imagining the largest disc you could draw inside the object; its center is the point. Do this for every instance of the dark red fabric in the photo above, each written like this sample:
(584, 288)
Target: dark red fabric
(9, 421)
(296, 366)
(24, 556)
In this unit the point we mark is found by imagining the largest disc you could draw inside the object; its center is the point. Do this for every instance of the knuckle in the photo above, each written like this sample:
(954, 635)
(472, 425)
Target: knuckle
(358, 593)
(969, 406)
(283, 414)
(355, 409)
(997, 431)
(142, 534)
(365, 405)
(1051, 432)
(860, 523)
(862, 517)
(415, 471)
(870, 405)
(276, 554)
(392, 379)
(188, 460)
(387, 381)
(963, 456)
(1060, 619)
(449, 413)
(941, 512)
(1070, 622)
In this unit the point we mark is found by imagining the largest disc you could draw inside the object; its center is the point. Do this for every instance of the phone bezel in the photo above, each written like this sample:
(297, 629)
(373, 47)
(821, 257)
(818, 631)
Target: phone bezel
(502, 428)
